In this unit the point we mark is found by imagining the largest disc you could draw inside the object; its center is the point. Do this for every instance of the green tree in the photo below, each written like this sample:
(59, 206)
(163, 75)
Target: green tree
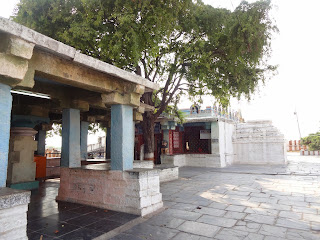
(57, 129)
(312, 141)
(185, 46)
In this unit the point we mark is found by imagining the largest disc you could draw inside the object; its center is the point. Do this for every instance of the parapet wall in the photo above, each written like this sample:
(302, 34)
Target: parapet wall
(258, 142)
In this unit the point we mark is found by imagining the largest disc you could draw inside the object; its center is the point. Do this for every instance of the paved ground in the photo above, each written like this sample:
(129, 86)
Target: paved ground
(48, 219)
(239, 202)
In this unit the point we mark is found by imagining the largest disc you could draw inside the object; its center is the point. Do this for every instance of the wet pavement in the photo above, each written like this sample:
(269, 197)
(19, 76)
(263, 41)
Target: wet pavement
(48, 219)
(239, 202)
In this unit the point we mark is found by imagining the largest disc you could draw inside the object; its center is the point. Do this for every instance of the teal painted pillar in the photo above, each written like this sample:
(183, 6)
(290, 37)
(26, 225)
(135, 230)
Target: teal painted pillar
(108, 143)
(5, 110)
(122, 137)
(70, 151)
(84, 140)
(41, 145)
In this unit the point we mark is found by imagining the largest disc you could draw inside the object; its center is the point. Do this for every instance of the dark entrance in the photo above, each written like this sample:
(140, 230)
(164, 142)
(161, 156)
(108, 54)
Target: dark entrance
(192, 141)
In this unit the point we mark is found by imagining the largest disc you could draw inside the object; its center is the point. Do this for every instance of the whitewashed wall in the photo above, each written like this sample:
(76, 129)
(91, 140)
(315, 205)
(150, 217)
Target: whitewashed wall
(259, 142)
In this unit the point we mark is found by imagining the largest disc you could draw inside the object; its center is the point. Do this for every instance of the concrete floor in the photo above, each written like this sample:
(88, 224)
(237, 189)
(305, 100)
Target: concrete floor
(238, 202)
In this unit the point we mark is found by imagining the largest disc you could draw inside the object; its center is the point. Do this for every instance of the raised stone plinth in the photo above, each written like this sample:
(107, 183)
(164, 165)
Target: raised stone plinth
(13, 214)
(258, 142)
(134, 191)
(167, 173)
(192, 160)
(143, 164)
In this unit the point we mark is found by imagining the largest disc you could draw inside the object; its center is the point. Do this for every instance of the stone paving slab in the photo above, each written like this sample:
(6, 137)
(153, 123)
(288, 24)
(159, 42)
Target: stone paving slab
(239, 202)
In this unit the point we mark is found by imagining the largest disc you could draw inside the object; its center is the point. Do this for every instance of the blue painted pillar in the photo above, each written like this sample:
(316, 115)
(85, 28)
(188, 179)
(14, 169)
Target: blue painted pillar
(41, 145)
(70, 152)
(108, 143)
(122, 137)
(84, 140)
(5, 114)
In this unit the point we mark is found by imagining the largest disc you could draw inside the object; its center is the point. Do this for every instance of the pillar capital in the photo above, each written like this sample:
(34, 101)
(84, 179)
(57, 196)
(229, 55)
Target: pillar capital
(15, 46)
(46, 126)
(140, 109)
(67, 102)
(137, 116)
(131, 99)
(27, 120)
(23, 131)
(134, 88)
(15, 54)
(83, 106)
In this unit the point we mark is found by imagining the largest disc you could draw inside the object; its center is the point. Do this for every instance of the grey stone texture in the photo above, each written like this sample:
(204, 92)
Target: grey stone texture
(11, 197)
(62, 50)
(13, 213)
(241, 202)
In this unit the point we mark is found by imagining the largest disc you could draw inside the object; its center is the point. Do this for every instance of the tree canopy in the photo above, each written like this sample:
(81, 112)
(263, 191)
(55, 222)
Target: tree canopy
(312, 141)
(185, 46)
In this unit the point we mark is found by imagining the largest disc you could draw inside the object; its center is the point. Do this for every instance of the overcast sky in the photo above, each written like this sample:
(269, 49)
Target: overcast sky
(296, 50)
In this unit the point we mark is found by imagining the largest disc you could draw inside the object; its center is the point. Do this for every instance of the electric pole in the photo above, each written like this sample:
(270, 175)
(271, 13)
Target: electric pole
(295, 113)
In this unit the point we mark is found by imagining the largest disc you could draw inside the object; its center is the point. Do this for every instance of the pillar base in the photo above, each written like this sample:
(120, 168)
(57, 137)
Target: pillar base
(25, 185)
(134, 191)
(13, 213)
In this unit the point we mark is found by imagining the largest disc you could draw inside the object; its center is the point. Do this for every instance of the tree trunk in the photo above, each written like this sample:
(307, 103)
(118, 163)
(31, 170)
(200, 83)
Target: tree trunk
(148, 135)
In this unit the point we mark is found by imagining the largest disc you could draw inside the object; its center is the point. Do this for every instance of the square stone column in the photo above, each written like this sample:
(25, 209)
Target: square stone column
(122, 137)
(70, 152)
(41, 139)
(84, 140)
(5, 110)
(215, 138)
(166, 140)
(108, 143)
(22, 167)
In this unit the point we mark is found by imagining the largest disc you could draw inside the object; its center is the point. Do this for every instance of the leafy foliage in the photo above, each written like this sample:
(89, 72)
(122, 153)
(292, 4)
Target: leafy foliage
(185, 46)
(57, 129)
(312, 141)
(180, 44)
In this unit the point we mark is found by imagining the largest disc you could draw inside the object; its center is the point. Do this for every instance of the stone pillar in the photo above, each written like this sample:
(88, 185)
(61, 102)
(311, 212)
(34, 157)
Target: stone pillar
(122, 137)
(22, 168)
(215, 138)
(14, 56)
(41, 139)
(84, 140)
(208, 127)
(5, 110)
(108, 143)
(167, 128)
(70, 152)
(166, 140)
